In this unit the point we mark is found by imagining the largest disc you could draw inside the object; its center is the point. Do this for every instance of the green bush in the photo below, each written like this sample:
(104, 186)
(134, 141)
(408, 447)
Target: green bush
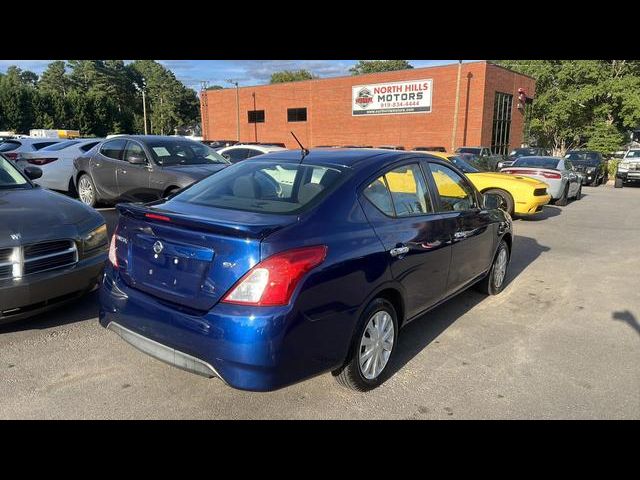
(612, 166)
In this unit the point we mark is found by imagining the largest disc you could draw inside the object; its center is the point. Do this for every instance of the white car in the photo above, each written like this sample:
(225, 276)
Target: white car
(628, 168)
(237, 153)
(56, 162)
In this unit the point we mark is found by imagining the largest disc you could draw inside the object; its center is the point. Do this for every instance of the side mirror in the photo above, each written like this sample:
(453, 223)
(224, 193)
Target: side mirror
(136, 160)
(491, 201)
(32, 173)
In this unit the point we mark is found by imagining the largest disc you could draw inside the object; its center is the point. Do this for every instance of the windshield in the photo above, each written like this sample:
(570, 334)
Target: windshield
(264, 187)
(523, 152)
(183, 152)
(10, 177)
(59, 146)
(540, 162)
(633, 154)
(464, 164)
(590, 158)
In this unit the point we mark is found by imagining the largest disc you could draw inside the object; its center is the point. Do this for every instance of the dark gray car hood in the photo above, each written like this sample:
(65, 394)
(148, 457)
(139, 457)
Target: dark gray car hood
(196, 172)
(37, 214)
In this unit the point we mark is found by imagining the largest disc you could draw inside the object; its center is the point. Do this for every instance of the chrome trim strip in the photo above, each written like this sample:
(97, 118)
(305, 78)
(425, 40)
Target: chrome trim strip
(164, 353)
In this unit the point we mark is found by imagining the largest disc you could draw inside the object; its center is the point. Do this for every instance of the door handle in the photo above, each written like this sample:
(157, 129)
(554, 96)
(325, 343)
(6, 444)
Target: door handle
(395, 252)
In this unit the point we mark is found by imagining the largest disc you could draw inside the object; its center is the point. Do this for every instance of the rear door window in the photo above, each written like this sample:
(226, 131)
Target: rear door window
(134, 150)
(113, 149)
(88, 146)
(9, 145)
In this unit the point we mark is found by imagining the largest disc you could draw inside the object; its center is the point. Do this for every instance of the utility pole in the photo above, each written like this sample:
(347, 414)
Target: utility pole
(233, 82)
(455, 112)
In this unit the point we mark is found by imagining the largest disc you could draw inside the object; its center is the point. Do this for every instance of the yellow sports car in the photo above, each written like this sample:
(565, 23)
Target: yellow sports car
(520, 195)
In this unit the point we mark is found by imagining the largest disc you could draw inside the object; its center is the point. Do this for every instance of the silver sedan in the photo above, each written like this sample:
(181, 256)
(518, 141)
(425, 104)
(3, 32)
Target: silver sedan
(558, 173)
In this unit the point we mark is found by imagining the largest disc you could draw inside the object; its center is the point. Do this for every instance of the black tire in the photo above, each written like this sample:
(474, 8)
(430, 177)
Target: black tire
(488, 284)
(91, 200)
(350, 374)
(564, 199)
(579, 193)
(618, 183)
(507, 200)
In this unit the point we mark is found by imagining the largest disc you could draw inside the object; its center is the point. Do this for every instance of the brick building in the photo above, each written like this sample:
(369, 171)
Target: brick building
(410, 108)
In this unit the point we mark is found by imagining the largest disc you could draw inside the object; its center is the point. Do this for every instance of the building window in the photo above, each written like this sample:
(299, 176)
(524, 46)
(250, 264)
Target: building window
(256, 116)
(296, 115)
(501, 123)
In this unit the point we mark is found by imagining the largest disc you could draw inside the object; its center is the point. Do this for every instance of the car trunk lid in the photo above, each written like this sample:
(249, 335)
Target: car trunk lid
(188, 257)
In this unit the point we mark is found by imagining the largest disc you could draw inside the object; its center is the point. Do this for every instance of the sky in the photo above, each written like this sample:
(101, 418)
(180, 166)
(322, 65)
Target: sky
(245, 72)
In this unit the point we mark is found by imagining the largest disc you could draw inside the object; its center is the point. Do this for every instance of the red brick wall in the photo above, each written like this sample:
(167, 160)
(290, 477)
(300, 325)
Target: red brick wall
(329, 118)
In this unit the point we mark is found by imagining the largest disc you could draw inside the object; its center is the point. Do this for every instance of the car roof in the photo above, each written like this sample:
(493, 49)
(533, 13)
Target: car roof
(347, 157)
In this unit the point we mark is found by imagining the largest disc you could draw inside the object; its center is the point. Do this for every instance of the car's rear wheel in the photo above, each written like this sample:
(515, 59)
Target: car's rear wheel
(493, 283)
(618, 183)
(564, 199)
(507, 201)
(372, 347)
(87, 190)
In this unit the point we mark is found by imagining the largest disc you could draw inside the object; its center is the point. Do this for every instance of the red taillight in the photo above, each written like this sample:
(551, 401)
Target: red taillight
(551, 175)
(40, 161)
(112, 251)
(155, 216)
(272, 281)
(11, 156)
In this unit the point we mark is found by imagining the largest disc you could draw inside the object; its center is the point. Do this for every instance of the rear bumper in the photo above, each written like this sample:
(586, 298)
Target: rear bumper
(531, 206)
(34, 294)
(257, 349)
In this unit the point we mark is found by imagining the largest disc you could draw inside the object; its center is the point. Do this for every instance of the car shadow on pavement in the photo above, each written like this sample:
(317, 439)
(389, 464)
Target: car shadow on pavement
(628, 318)
(424, 330)
(548, 211)
(80, 310)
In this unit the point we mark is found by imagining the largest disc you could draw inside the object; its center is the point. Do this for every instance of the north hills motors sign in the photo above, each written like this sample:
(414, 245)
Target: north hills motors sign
(391, 98)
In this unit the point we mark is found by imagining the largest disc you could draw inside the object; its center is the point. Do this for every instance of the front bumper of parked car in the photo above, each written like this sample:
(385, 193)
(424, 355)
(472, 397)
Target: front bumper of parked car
(629, 175)
(531, 205)
(32, 294)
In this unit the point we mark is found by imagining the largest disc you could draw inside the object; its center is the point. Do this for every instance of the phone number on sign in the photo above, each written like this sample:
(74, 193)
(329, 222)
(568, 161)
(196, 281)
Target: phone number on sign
(399, 104)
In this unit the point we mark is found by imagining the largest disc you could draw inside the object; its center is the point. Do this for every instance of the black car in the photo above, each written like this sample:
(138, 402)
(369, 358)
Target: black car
(52, 248)
(591, 164)
(142, 168)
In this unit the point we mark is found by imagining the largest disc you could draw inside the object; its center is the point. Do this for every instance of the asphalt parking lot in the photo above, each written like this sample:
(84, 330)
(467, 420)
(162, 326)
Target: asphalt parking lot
(562, 341)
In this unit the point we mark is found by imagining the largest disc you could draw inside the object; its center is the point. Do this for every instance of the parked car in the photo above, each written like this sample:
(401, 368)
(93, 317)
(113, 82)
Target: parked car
(521, 196)
(12, 148)
(628, 169)
(52, 248)
(430, 149)
(524, 152)
(490, 161)
(559, 174)
(142, 168)
(237, 153)
(591, 164)
(391, 147)
(217, 144)
(56, 162)
(265, 284)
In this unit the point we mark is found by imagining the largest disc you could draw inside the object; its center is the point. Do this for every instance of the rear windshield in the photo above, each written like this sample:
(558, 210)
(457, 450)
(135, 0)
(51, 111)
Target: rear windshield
(523, 152)
(9, 145)
(475, 151)
(465, 163)
(264, 187)
(183, 152)
(60, 146)
(10, 177)
(536, 162)
(41, 145)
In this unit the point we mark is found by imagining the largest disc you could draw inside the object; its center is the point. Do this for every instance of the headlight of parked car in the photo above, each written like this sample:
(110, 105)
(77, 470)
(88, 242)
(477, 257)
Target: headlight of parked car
(94, 240)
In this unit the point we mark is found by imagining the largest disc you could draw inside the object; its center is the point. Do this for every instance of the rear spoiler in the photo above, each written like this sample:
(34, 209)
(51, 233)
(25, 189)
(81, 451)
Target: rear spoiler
(166, 217)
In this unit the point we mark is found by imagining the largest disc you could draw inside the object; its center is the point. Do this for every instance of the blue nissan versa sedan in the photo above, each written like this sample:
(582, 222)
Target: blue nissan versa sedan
(289, 265)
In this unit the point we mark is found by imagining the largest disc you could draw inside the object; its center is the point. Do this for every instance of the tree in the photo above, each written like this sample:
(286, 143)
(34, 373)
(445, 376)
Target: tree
(582, 103)
(291, 76)
(215, 87)
(54, 79)
(375, 66)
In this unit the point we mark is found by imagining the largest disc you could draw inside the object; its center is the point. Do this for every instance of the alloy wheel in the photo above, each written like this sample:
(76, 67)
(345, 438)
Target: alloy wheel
(376, 345)
(500, 268)
(85, 191)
